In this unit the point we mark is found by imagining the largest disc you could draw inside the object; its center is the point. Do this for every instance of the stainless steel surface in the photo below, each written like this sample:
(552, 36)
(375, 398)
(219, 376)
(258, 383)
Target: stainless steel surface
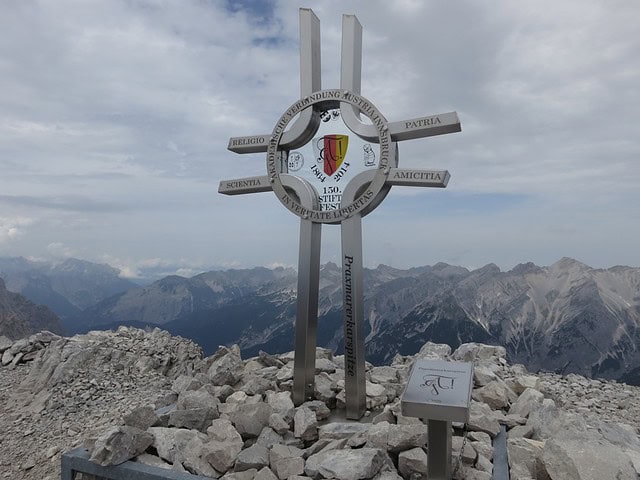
(438, 390)
(418, 178)
(353, 314)
(422, 127)
(362, 194)
(301, 131)
(353, 301)
(240, 186)
(304, 363)
(326, 100)
(438, 450)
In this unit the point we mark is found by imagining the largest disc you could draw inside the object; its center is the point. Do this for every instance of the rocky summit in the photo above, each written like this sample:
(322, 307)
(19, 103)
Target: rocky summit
(146, 396)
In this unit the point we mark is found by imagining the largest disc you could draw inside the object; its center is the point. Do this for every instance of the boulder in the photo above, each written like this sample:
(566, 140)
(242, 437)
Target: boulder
(305, 424)
(345, 464)
(280, 402)
(223, 445)
(528, 401)
(479, 353)
(413, 463)
(119, 444)
(495, 394)
(226, 366)
(196, 399)
(586, 459)
(339, 430)
(286, 461)
(525, 457)
(196, 418)
(256, 456)
(250, 419)
(434, 351)
(482, 419)
(141, 417)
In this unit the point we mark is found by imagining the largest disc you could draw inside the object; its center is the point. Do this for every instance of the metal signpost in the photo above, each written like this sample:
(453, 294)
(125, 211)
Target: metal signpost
(439, 392)
(332, 157)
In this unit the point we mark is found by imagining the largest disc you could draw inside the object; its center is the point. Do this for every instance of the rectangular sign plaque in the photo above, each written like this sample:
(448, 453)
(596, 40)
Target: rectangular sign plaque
(438, 390)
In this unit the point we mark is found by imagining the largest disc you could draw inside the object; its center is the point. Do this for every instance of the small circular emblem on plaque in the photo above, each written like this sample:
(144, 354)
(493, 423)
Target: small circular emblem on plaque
(281, 161)
(295, 162)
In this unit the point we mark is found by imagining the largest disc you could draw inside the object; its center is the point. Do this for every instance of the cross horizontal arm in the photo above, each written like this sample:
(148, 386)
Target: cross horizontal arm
(425, 126)
(240, 186)
(418, 178)
(249, 144)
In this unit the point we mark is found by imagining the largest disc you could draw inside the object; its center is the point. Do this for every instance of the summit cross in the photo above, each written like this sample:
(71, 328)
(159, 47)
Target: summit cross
(314, 173)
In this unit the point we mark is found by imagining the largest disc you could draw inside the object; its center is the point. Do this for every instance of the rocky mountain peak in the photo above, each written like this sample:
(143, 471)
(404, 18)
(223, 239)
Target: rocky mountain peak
(524, 268)
(569, 264)
(150, 397)
(488, 269)
(19, 317)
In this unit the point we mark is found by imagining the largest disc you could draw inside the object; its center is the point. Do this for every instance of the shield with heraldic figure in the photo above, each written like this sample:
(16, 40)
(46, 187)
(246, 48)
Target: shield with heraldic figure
(331, 150)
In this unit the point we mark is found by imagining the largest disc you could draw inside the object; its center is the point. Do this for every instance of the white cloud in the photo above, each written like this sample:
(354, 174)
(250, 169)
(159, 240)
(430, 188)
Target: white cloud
(115, 116)
(12, 228)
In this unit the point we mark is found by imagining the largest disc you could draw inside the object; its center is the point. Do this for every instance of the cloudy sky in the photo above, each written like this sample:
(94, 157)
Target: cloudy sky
(115, 117)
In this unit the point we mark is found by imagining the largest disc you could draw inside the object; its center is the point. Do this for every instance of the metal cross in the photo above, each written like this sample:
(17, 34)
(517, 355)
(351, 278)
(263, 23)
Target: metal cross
(354, 204)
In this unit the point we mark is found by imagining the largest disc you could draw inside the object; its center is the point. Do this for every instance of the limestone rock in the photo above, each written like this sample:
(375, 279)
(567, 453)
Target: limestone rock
(246, 475)
(467, 455)
(119, 444)
(525, 457)
(396, 438)
(434, 351)
(223, 445)
(170, 442)
(141, 417)
(256, 456)
(305, 424)
(5, 343)
(413, 463)
(345, 464)
(185, 382)
(495, 394)
(250, 419)
(581, 459)
(226, 366)
(479, 353)
(482, 419)
(338, 430)
(523, 382)
(482, 375)
(268, 437)
(278, 424)
(383, 374)
(196, 399)
(281, 403)
(286, 461)
(319, 408)
(529, 400)
(193, 419)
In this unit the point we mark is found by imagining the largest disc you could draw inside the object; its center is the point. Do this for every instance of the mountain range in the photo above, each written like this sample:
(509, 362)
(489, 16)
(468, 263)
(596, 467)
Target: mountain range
(566, 317)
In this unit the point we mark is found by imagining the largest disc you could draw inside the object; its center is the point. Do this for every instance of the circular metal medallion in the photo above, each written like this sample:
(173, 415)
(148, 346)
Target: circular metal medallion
(277, 159)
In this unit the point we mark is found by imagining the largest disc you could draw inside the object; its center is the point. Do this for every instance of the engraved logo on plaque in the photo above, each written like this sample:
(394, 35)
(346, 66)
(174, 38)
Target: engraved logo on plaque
(436, 383)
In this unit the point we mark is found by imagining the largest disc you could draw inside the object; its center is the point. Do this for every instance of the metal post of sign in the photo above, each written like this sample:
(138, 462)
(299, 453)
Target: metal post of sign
(438, 450)
(363, 192)
(304, 364)
(439, 392)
